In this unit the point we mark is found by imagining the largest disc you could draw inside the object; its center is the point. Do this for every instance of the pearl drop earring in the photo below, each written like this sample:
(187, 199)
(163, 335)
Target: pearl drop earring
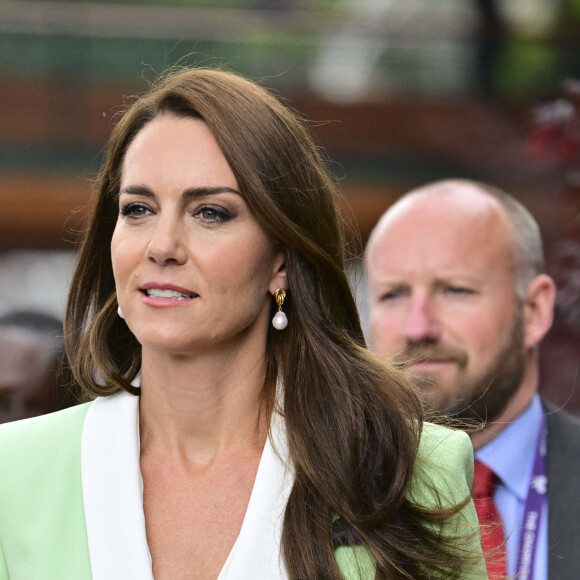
(280, 320)
(120, 313)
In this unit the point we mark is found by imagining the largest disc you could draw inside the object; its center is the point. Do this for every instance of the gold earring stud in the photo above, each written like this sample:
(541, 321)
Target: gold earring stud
(280, 320)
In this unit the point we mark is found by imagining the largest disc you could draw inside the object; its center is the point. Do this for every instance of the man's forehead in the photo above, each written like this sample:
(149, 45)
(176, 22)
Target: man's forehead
(446, 232)
(443, 203)
(436, 273)
(451, 206)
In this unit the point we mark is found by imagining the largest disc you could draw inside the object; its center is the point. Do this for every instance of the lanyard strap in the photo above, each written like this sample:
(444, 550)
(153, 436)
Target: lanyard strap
(534, 507)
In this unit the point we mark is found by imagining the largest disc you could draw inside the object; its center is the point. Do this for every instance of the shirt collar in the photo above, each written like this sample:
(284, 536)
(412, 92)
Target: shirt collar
(511, 453)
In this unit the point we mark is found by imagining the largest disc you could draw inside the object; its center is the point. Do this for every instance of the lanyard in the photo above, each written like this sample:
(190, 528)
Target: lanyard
(534, 507)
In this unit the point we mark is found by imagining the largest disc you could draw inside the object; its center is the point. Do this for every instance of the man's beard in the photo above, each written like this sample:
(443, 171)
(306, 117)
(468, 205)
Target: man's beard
(485, 397)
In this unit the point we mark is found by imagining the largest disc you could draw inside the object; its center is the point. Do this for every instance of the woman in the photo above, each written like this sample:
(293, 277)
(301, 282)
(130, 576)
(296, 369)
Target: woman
(220, 445)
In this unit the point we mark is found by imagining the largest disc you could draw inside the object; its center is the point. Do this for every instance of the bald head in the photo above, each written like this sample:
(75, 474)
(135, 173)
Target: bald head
(450, 267)
(475, 200)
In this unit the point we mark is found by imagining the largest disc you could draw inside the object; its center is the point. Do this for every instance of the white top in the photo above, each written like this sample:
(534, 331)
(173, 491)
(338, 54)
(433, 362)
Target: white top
(113, 499)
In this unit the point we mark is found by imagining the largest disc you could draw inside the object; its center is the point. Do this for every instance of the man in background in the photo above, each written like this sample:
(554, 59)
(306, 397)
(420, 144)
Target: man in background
(31, 348)
(458, 295)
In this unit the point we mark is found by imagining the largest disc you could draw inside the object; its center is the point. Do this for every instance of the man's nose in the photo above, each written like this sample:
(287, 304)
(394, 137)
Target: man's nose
(422, 323)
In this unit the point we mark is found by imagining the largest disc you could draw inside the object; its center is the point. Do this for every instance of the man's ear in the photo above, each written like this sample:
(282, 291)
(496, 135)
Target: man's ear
(279, 279)
(538, 309)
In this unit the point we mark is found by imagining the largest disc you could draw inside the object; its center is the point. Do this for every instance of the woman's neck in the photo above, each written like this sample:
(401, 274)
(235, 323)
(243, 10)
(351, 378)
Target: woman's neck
(198, 407)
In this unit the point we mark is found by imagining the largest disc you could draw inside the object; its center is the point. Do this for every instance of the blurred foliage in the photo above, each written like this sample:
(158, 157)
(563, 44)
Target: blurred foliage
(283, 39)
(249, 4)
(128, 58)
(413, 50)
(525, 67)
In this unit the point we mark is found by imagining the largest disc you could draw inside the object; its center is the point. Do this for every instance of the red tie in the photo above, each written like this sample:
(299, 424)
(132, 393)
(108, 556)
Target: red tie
(484, 482)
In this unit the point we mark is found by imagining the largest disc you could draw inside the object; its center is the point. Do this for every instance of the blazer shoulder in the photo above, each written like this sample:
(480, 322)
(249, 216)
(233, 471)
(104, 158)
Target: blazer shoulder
(444, 466)
(42, 522)
(563, 440)
(561, 422)
(45, 424)
(446, 448)
(47, 436)
(442, 440)
(563, 508)
(442, 478)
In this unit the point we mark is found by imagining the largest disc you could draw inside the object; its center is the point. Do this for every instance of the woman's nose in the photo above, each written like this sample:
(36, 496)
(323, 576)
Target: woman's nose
(166, 245)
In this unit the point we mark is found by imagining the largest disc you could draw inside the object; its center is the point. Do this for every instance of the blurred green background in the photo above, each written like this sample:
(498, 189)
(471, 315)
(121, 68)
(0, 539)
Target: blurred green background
(398, 92)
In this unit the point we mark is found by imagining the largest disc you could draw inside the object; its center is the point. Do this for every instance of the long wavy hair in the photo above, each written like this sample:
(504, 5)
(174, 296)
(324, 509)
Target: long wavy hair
(353, 424)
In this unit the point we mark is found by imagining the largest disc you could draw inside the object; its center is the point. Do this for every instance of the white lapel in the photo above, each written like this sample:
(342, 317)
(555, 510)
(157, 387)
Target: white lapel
(256, 553)
(113, 490)
(113, 499)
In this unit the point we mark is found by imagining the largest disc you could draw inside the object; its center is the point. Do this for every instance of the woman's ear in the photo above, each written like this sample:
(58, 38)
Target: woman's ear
(538, 309)
(279, 279)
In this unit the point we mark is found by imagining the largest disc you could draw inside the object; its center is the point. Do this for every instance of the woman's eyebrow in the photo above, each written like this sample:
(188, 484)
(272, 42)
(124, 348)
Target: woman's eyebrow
(193, 192)
(189, 193)
(136, 190)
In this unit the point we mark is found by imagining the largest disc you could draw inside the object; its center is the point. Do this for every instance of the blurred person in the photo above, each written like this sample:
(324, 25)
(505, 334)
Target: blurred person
(240, 429)
(31, 348)
(459, 298)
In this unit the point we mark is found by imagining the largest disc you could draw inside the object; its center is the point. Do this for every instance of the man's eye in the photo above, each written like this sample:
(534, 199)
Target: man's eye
(457, 290)
(391, 295)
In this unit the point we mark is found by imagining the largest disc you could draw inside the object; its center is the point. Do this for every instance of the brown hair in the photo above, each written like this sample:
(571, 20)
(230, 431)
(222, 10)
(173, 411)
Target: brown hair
(353, 425)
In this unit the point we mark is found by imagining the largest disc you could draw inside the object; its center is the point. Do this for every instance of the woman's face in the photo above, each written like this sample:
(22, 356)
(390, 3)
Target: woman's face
(193, 268)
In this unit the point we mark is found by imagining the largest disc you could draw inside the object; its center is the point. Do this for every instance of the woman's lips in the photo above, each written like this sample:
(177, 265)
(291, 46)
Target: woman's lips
(165, 295)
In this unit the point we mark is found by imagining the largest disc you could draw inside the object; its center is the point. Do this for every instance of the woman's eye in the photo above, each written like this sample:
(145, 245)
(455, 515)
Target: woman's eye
(134, 210)
(213, 214)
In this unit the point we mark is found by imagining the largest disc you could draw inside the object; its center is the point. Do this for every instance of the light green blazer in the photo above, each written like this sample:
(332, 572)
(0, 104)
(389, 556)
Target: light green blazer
(43, 534)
